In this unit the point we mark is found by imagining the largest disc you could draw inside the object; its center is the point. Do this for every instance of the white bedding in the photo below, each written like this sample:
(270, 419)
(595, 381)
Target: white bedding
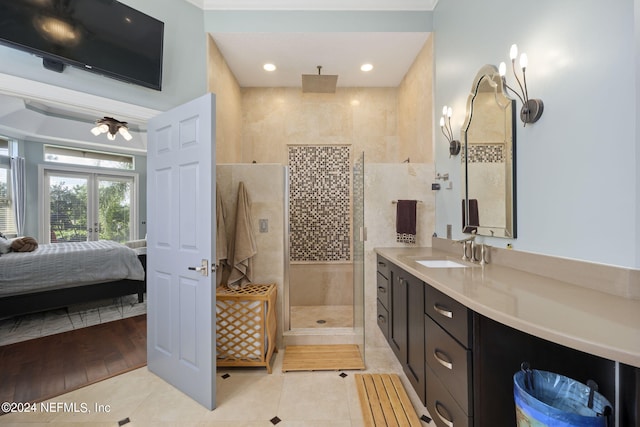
(59, 265)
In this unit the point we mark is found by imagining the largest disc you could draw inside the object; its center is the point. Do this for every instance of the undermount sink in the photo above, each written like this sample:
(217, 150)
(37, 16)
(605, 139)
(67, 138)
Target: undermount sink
(440, 263)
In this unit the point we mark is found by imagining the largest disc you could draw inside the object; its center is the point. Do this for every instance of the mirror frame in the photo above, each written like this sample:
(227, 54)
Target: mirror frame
(508, 231)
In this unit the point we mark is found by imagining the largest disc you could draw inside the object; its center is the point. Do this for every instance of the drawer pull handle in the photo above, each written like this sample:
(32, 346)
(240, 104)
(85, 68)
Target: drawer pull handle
(443, 310)
(445, 420)
(382, 319)
(442, 361)
(382, 264)
(382, 289)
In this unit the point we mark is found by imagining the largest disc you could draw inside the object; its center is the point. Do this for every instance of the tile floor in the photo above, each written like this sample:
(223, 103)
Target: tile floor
(246, 398)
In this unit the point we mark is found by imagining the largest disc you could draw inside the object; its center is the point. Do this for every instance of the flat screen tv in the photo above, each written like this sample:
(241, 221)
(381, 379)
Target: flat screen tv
(102, 36)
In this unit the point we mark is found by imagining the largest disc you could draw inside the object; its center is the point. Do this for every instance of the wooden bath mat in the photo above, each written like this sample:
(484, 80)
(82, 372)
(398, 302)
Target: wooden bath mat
(384, 401)
(321, 358)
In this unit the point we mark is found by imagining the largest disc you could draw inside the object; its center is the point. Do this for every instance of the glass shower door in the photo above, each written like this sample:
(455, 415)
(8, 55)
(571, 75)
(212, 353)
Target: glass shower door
(359, 237)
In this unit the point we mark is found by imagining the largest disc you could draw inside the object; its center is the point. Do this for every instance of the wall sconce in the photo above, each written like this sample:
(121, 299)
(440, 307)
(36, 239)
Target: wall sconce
(531, 108)
(111, 127)
(445, 127)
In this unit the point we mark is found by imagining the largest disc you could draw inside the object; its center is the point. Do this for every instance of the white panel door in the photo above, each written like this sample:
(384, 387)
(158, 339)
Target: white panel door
(180, 248)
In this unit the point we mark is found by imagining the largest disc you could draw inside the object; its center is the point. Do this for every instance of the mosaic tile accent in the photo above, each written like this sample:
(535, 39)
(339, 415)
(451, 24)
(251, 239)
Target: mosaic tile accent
(485, 153)
(319, 203)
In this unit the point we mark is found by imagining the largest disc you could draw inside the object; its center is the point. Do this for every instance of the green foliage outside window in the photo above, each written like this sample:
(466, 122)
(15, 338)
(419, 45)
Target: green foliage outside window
(69, 212)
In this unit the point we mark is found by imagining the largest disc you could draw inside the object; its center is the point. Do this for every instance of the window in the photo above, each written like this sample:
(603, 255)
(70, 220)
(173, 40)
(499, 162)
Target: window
(7, 221)
(88, 195)
(4, 147)
(85, 206)
(74, 156)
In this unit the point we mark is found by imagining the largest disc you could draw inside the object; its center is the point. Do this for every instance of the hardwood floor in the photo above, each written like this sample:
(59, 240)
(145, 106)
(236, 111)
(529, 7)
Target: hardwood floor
(41, 368)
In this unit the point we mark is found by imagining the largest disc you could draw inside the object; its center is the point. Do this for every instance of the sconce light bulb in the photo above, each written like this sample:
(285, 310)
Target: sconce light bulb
(524, 61)
(444, 110)
(449, 112)
(111, 136)
(513, 53)
(502, 69)
(441, 122)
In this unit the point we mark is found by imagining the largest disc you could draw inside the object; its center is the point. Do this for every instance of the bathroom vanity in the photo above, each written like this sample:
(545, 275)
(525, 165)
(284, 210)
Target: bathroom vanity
(461, 333)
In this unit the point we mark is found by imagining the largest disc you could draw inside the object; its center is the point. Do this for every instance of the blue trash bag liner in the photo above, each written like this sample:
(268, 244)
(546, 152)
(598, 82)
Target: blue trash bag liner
(556, 401)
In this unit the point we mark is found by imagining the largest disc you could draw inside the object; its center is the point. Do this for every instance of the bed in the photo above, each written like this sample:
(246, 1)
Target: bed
(60, 274)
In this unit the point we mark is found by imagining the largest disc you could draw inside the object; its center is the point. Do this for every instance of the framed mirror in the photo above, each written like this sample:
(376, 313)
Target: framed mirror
(488, 158)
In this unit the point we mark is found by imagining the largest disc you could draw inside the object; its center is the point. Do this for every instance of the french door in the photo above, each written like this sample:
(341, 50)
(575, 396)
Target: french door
(81, 206)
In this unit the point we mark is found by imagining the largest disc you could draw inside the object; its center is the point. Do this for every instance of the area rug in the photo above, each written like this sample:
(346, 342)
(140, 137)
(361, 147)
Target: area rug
(29, 326)
(335, 357)
(42, 368)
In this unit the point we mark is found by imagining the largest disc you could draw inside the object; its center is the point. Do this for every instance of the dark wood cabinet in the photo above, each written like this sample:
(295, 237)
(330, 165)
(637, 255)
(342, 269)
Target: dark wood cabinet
(384, 296)
(398, 314)
(448, 359)
(462, 364)
(451, 363)
(405, 311)
(498, 353)
(414, 368)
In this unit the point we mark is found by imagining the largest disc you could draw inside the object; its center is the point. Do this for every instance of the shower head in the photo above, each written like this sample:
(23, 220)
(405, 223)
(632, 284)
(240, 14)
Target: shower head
(317, 83)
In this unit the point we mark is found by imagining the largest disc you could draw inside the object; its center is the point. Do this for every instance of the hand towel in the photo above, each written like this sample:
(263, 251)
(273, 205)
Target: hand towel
(474, 220)
(406, 221)
(221, 232)
(244, 243)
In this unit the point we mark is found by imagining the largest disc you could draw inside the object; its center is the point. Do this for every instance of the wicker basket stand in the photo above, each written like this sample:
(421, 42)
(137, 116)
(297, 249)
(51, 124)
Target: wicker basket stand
(246, 326)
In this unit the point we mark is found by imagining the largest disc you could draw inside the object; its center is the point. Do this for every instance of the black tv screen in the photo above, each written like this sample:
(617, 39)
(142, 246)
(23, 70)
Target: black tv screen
(102, 36)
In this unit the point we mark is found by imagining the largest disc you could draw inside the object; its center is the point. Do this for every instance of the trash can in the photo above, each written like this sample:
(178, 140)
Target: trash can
(546, 399)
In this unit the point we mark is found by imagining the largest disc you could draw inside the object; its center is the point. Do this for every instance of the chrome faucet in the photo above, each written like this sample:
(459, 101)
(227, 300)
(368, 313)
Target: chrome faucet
(468, 248)
(473, 251)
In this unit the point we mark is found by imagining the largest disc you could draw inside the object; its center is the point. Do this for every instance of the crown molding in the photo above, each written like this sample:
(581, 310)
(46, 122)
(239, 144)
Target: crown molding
(72, 99)
(311, 5)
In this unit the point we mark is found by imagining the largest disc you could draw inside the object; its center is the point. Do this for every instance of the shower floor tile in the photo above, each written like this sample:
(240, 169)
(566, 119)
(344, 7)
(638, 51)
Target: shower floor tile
(321, 316)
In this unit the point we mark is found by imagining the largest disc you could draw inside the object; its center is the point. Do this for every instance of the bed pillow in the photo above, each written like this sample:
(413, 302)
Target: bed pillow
(5, 244)
(24, 244)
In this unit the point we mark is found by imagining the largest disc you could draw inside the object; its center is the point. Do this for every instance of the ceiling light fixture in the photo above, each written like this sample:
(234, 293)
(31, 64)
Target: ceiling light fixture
(269, 67)
(111, 127)
(366, 67)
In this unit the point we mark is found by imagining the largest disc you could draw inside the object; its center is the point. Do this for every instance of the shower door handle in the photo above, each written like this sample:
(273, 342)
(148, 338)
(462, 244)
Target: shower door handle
(363, 234)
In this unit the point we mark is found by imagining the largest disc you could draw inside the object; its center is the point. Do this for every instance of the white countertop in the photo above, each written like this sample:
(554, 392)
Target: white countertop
(587, 320)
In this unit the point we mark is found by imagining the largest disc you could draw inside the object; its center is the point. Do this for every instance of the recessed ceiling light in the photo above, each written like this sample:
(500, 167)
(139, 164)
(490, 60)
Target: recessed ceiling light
(269, 67)
(366, 67)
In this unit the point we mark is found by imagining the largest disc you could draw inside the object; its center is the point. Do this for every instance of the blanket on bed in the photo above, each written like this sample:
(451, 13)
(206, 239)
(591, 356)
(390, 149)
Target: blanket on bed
(59, 265)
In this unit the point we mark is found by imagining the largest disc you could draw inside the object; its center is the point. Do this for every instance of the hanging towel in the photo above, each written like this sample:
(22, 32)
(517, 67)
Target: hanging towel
(221, 233)
(406, 221)
(474, 218)
(244, 243)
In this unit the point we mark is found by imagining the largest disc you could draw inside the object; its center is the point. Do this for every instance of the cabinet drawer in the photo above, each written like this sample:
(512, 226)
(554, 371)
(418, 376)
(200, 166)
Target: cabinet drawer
(454, 317)
(450, 362)
(383, 320)
(383, 266)
(383, 289)
(442, 407)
